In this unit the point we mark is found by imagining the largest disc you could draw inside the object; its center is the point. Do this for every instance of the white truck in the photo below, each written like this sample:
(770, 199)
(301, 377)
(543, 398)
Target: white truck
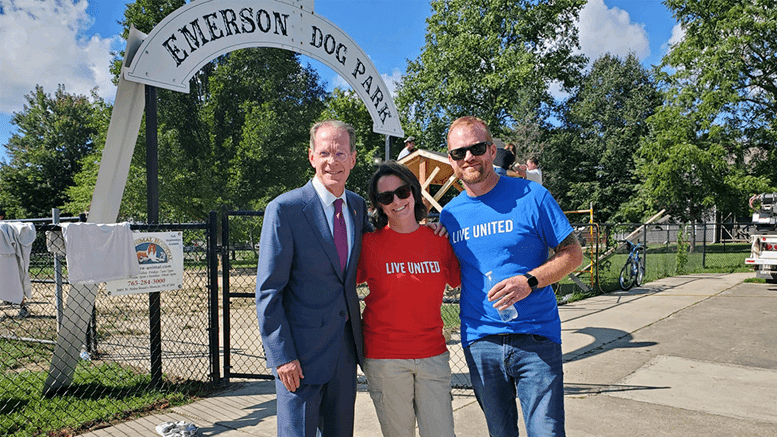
(763, 250)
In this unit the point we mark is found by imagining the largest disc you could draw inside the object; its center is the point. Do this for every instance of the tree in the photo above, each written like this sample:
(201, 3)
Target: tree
(490, 58)
(719, 121)
(55, 133)
(603, 124)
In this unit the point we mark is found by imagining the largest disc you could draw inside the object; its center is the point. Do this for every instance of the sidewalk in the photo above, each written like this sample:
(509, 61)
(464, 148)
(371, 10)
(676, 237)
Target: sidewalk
(682, 356)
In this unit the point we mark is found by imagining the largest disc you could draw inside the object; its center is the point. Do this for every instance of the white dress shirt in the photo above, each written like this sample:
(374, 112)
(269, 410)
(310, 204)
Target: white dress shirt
(328, 203)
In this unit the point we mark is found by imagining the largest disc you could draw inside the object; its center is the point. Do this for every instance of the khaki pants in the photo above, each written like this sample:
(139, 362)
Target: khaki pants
(406, 390)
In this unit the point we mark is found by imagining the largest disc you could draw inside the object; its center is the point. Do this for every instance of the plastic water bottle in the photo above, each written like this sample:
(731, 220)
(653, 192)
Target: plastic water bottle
(508, 314)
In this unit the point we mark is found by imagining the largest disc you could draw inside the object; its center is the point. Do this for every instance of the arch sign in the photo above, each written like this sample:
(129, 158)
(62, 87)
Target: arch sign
(168, 57)
(195, 34)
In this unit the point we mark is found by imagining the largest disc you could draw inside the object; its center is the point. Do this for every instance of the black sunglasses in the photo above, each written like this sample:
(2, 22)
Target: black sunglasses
(387, 197)
(476, 149)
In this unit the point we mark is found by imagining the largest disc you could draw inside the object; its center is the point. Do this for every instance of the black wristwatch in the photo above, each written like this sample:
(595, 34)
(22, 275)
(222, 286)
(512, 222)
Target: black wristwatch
(533, 282)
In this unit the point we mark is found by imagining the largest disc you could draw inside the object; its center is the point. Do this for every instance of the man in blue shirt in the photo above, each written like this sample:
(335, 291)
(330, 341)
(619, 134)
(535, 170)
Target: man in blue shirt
(501, 229)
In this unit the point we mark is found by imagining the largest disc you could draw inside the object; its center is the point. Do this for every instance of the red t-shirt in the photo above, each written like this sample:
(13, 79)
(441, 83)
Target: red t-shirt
(406, 274)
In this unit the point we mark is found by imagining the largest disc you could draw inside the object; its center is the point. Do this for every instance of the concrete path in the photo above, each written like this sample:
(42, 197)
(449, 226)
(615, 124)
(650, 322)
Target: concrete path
(682, 356)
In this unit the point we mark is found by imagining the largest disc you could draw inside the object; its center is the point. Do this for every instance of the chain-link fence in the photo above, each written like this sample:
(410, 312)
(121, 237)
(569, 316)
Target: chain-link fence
(244, 354)
(672, 249)
(114, 373)
(703, 246)
(138, 349)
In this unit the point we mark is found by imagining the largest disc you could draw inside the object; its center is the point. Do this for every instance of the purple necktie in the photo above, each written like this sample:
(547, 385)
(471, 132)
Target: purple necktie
(341, 236)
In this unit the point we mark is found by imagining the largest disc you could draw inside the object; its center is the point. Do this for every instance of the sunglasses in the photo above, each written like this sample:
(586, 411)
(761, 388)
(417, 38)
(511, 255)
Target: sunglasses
(476, 149)
(387, 197)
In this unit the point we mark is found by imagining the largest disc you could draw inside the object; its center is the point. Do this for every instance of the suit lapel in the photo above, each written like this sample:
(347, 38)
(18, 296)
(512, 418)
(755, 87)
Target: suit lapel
(314, 213)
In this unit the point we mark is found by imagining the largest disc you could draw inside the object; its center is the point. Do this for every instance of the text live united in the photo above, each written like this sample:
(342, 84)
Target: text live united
(226, 23)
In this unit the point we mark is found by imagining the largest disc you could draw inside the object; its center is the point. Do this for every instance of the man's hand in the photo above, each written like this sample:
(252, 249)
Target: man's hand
(290, 375)
(509, 291)
(438, 229)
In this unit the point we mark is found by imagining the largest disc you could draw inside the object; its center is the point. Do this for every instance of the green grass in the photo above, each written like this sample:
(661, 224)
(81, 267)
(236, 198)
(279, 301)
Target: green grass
(450, 314)
(661, 262)
(100, 393)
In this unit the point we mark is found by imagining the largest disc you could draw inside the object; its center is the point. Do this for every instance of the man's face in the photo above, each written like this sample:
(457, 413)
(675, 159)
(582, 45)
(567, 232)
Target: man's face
(530, 165)
(332, 158)
(472, 169)
(410, 145)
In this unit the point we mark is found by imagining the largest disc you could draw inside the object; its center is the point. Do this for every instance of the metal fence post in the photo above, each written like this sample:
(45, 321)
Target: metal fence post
(225, 267)
(704, 245)
(213, 300)
(152, 203)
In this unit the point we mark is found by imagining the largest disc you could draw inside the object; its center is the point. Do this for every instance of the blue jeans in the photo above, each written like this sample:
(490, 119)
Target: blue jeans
(530, 365)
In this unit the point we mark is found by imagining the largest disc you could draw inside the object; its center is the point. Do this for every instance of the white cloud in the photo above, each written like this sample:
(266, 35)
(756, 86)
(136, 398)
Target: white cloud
(555, 90)
(43, 43)
(338, 82)
(610, 30)
(678, 35)
(391, 81)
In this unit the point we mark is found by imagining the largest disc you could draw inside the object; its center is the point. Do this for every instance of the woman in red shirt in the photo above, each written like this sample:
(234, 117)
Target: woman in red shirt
(406, 268)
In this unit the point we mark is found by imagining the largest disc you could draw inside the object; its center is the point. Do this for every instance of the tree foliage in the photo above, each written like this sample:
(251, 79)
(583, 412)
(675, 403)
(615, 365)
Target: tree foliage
(55, 134)
(712, 141)
(592, 157)
(490, 58)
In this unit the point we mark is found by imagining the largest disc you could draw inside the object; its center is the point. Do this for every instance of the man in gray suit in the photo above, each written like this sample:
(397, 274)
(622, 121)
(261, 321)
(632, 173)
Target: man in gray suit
(306, 299)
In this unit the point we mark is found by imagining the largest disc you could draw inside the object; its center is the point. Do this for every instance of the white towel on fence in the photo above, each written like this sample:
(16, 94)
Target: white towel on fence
(99, 252)
(16, 240)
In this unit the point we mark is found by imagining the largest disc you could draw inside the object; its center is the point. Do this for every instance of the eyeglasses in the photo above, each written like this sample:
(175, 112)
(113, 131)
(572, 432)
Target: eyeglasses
(387, 197)
(338, 156)
(476, 149)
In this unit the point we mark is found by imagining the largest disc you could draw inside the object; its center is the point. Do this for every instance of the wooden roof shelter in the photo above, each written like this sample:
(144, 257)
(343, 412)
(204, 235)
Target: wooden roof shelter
(432, 168)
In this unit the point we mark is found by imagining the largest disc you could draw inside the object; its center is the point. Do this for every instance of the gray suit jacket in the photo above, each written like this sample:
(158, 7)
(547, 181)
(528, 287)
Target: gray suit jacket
(303, 298)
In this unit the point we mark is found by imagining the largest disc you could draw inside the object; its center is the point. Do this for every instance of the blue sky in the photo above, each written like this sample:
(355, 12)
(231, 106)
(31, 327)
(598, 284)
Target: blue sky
(51, 42)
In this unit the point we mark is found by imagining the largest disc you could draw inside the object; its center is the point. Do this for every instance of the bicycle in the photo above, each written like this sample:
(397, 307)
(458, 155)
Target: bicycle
(633, 272)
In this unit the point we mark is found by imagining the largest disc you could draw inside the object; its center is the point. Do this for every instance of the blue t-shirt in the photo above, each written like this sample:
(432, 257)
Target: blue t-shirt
(507, 231)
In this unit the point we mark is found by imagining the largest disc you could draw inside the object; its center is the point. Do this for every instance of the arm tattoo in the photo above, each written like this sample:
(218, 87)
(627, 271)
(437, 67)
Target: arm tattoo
(569, 241)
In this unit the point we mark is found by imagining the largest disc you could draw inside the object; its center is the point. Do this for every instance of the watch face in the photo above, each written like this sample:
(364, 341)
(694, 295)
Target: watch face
(531, 280)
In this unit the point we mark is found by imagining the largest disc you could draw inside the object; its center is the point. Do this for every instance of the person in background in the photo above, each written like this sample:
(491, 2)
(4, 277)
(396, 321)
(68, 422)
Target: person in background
(406, 267)
(530, 170)
(306, 302)
(504, 160)
(408, 149)
(501, 230)
(511, 148)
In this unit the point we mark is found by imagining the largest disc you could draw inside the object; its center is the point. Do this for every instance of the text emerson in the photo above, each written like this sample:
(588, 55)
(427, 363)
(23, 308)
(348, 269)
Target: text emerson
(226, 22)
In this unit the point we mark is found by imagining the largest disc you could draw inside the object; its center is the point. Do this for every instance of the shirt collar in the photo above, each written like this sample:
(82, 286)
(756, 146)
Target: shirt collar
(325, 195)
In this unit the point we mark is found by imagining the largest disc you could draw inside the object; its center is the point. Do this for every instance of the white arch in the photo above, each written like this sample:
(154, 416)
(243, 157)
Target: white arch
(200, 31)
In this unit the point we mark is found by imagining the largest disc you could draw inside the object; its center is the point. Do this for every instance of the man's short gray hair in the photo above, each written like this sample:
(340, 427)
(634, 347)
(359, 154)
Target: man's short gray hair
(337, 124)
